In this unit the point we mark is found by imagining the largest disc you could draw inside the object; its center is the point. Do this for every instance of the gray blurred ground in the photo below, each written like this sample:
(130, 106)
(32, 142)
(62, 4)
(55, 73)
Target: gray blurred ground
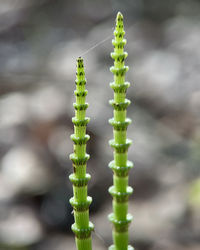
(39, 43)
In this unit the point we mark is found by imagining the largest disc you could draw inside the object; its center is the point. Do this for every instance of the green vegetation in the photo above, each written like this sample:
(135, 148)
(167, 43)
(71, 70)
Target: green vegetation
(82, 227)
(120, 165)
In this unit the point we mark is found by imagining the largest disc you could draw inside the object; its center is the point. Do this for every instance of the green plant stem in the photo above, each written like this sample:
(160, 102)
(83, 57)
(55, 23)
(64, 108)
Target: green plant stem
(82, 227)
(120, 166)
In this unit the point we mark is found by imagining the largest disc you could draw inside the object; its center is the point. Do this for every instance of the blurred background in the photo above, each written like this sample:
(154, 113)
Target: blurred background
(39, 44)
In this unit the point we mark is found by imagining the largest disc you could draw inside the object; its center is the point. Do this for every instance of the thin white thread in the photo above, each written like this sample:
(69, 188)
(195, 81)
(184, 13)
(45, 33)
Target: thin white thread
(100, 238)
(102, 41)
(97, 44)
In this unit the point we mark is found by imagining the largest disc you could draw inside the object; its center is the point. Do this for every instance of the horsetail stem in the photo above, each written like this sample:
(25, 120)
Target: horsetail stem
(120, 165)
(82, 227)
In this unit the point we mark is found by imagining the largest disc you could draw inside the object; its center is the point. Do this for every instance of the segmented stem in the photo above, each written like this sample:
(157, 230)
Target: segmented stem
(120, 165)
(82, 227)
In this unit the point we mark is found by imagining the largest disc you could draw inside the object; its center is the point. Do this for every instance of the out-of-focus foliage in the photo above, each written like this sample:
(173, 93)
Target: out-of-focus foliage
(195, 193)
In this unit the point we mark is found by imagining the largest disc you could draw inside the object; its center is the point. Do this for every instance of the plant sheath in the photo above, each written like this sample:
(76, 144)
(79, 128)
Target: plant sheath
(120, 165)
(82, 227)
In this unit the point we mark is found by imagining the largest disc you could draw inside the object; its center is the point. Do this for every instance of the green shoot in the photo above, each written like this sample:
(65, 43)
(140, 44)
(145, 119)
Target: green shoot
(82, 227)
(120, 165)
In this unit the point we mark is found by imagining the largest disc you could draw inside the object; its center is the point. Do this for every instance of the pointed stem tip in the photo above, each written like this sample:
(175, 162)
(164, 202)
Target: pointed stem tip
(119, 16)
(79, 59)
(79, 62)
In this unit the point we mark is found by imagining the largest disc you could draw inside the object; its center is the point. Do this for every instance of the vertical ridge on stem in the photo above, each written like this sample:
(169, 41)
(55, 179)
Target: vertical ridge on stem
(82, 227)
(120, 165)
